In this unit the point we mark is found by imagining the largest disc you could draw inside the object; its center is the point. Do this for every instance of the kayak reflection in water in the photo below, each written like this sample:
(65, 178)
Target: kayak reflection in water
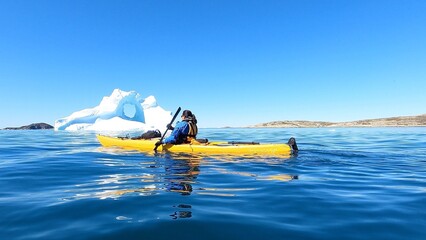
(181, 173)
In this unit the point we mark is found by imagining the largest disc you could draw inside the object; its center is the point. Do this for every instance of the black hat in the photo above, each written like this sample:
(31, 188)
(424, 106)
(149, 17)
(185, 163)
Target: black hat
(187, 113)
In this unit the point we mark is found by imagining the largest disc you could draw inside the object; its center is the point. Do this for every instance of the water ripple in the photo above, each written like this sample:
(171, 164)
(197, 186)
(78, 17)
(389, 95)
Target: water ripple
(346, 183)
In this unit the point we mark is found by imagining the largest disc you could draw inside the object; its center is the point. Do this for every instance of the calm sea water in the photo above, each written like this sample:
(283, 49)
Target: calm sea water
(367, 183)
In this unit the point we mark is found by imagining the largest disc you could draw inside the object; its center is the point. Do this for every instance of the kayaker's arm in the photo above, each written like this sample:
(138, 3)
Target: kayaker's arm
(162, 137)
(181, 129)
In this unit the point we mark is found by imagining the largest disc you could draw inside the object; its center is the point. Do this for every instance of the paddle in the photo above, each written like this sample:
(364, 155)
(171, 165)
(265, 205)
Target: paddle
(164, 134)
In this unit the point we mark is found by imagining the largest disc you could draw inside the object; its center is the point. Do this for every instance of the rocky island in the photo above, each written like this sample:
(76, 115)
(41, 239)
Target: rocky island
(405, 121)
(33, 126)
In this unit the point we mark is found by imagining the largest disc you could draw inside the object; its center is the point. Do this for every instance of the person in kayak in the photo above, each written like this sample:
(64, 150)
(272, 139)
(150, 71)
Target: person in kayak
(184, 131)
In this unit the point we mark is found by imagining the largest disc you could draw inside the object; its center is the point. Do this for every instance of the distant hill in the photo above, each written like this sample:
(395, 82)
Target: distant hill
(34, 126)
(406, 121)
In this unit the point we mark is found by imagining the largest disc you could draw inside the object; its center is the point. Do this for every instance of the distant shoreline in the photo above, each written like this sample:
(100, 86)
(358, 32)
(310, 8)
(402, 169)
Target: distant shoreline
(405, 121)
(33, 126)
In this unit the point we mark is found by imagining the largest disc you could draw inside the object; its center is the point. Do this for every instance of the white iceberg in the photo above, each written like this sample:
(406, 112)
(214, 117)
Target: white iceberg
(122, 111)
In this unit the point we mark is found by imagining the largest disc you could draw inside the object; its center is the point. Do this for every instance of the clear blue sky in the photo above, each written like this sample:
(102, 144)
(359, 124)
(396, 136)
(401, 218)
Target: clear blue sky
(234, 63)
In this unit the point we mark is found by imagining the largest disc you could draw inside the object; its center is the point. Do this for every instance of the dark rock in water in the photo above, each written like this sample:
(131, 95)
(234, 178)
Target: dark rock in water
(34, 126)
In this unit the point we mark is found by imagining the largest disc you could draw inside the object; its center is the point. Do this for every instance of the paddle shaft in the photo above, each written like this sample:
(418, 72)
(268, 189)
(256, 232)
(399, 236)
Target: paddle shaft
(164, 134)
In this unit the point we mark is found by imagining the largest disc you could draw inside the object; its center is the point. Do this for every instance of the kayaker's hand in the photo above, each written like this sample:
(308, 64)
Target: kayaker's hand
(158, 143)
(169, 126)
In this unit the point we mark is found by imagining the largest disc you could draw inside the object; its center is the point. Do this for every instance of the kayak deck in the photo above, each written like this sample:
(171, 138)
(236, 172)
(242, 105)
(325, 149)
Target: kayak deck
(147, 145)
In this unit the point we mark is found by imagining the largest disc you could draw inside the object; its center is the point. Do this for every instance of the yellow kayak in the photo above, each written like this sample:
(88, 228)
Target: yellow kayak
(233, 148)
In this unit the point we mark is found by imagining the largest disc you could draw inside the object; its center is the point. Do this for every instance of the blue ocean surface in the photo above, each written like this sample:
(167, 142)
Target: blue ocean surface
(345, 183)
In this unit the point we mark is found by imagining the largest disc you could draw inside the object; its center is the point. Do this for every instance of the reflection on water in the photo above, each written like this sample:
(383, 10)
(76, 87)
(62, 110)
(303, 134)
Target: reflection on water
(180, 173)
(183, 212)
(277, 177)
(156, 174)
(170, 173)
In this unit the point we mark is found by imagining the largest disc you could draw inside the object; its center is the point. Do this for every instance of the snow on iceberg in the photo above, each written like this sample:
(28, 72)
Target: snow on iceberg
(122, 111)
